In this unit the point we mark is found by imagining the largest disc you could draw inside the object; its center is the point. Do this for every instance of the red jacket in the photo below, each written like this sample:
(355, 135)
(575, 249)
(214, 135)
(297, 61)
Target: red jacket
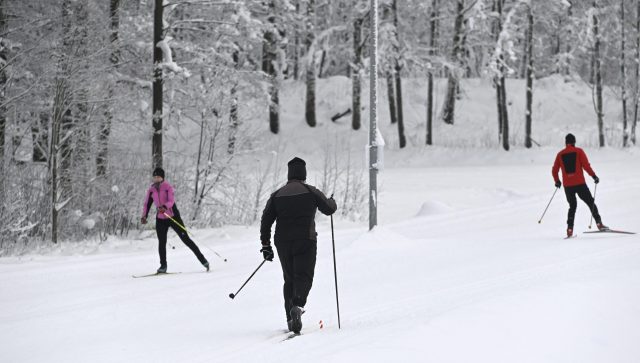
(572, 160)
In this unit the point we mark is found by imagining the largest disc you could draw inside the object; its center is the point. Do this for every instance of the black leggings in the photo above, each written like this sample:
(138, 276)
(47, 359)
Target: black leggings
(583, 192)
(162, 227)
(298, 260)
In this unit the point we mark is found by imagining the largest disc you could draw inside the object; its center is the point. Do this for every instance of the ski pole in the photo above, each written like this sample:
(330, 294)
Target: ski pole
(184, 229)
(595, 190)
(545, 210)
(335, 273)
(232, 295)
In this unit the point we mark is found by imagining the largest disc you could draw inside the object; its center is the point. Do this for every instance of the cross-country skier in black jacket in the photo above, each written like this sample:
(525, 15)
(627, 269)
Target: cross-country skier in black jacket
(293, 208)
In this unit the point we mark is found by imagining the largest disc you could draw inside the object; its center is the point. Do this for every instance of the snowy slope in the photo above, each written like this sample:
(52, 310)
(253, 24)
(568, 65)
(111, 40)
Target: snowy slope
(458, 271)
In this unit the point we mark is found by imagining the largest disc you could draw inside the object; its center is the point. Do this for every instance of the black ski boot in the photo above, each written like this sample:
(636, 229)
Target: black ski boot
(296, 319)
(162, 269)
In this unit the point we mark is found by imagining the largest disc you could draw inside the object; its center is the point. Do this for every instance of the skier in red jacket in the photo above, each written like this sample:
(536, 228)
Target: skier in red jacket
(572, 160)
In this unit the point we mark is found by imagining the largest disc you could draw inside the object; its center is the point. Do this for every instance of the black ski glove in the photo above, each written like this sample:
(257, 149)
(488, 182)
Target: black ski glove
(596, 179)
(558, 184)
(267, 253)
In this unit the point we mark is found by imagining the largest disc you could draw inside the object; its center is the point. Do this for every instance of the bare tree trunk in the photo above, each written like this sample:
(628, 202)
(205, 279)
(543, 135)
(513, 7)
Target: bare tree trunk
(398, 72)
(567, 61)
(391, 95)
(529, 76)
(503, 110)
(623, 74)
(269, 54)
(81, 167)
(233, 112)
(296, 45)
(356, 72)
(61, 123)
(500, 82)
(310, 105)
(233, 118)
(65, 140)
(203, 119)
(40, 137)
(637, 80)
(597, 64)
(3, 97)
(401, 136)
(432, 53)
(58, 110)
(323, 59)
(105, 129)
(158, 36)
(452, 85)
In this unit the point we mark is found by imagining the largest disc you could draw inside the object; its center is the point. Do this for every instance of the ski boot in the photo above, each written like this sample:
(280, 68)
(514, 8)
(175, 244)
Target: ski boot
(296, 319)
(162, 269)
(602, 227)
(290, 324)
(569, 232)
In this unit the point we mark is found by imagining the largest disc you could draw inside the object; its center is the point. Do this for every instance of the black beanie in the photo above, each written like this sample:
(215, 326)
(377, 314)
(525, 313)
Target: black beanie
(570, 139)
(297, 169)
(158, 172)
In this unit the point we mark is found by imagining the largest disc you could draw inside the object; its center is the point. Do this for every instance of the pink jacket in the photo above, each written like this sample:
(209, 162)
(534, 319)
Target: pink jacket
(160, 195)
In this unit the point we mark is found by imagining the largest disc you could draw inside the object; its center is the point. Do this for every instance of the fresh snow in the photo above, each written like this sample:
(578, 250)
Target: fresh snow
(458, 269)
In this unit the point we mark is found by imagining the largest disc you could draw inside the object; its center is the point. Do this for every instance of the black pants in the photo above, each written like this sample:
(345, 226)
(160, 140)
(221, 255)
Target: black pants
(162, 227)
(298, 260)
(583, 192)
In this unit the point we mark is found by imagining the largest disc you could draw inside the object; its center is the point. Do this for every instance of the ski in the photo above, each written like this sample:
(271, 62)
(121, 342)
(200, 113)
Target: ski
(291, 336)
(610, 231)
(155, 274)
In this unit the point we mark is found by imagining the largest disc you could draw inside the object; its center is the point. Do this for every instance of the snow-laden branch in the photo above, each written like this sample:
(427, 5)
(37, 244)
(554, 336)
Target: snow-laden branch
(199, 21)
(505, 41)
(142, 83)
(201, 2)
(168, 62)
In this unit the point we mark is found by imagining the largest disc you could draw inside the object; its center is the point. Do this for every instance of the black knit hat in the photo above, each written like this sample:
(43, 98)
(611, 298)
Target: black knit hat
(570, 139)
(297, 169)
(158, 172)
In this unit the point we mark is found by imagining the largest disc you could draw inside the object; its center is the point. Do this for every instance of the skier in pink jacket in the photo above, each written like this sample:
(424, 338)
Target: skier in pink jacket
(160, 193)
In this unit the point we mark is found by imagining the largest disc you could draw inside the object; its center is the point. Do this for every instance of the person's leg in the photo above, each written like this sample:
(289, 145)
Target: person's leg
(585, 195)
(286, 261)
(184, 237)
(304, 264)
(570, 192)
(162, 227)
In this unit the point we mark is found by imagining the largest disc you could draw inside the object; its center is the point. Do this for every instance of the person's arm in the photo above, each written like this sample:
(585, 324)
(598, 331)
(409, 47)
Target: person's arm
(556, 169)
(148, 201)
(325, 205)
(585, 163)
(268, 217)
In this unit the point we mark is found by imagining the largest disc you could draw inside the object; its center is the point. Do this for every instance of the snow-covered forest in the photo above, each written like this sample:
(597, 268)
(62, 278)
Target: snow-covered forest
(90, 105)
(465, 263)
(474, 99)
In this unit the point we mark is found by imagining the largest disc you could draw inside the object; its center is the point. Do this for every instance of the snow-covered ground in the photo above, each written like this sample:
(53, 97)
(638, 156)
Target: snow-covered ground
(458, 271)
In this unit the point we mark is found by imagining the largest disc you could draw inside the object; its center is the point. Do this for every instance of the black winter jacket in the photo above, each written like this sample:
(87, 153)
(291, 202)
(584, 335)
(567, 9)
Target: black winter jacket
(293, 207)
